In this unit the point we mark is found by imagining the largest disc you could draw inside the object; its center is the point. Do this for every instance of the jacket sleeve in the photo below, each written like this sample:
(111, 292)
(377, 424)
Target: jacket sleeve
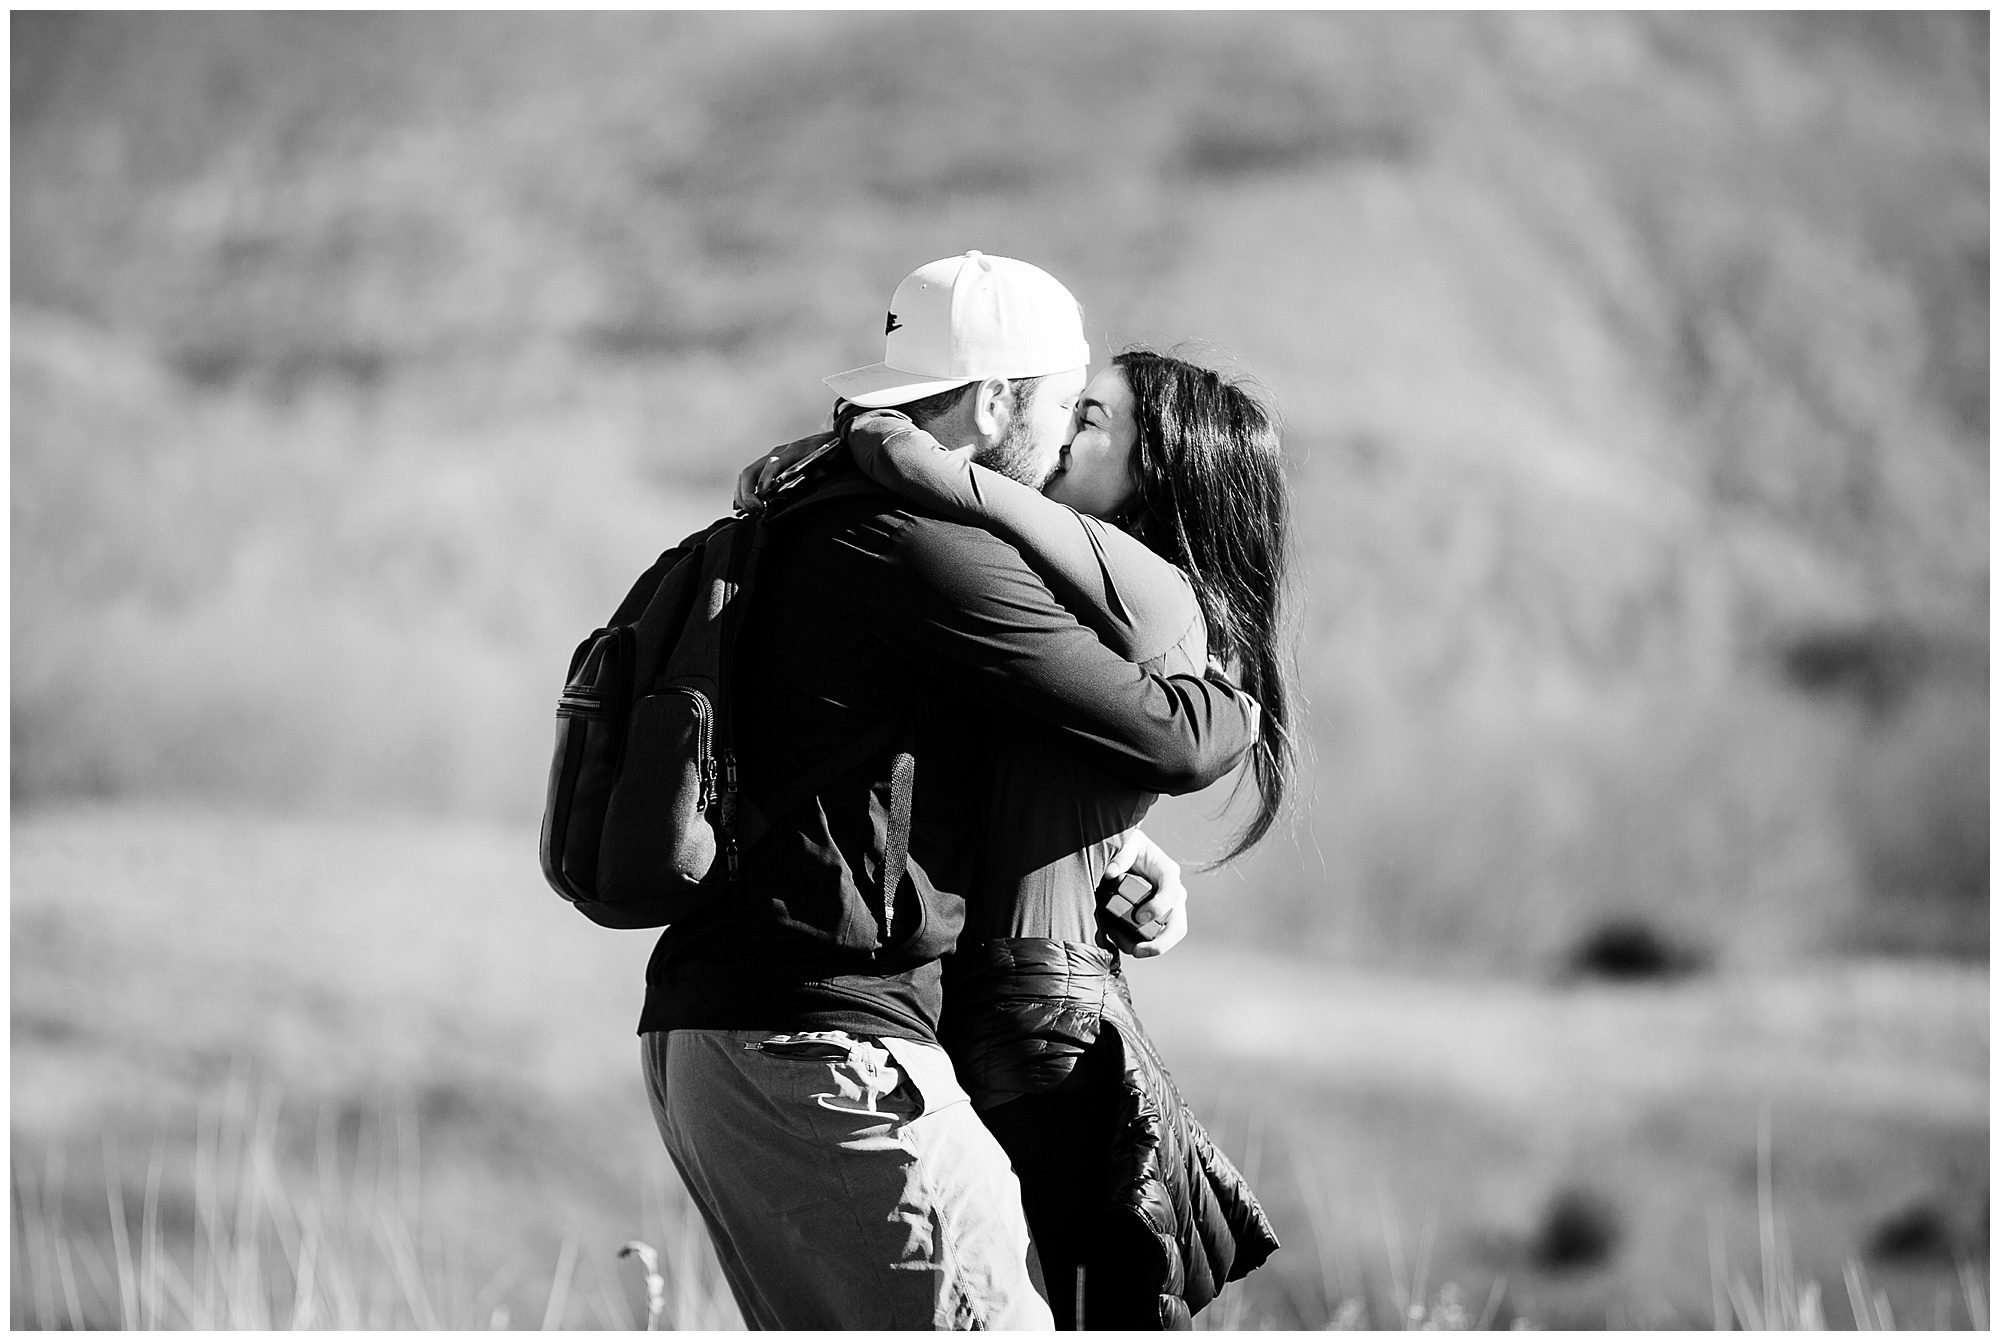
(986, 624)
(1138, 603)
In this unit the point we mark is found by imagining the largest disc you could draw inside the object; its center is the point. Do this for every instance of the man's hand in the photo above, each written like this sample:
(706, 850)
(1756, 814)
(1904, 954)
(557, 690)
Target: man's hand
(1155, 921)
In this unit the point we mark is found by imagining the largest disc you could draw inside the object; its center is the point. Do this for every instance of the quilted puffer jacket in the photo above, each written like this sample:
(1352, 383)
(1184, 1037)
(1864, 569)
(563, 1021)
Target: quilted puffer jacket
(1018, 1015)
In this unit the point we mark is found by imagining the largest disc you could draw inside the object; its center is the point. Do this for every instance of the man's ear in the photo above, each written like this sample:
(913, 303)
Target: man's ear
(992, 408)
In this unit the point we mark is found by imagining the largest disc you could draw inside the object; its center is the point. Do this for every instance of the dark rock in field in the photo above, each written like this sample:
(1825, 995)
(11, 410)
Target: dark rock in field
(1920, 1232)
(1631, 950)
(1579, 1229)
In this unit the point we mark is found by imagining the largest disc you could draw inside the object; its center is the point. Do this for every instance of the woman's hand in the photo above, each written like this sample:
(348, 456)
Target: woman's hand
(1155, 922)
(867, 434)
(755, 478)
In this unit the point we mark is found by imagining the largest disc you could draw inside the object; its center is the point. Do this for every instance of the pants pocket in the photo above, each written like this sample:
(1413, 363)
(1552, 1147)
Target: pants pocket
(928, 1074)
(852, 1077)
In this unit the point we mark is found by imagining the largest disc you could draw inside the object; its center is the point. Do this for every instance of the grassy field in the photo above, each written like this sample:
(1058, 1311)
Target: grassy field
(391, 1042)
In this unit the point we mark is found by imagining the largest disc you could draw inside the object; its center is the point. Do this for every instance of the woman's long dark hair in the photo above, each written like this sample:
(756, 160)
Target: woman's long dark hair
(1212, 500)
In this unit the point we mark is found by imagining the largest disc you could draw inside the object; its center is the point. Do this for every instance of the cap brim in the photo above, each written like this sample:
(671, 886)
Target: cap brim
(878, 385)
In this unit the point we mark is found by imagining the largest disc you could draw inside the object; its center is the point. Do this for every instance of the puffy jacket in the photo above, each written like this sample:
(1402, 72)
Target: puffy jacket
(1182, 1223)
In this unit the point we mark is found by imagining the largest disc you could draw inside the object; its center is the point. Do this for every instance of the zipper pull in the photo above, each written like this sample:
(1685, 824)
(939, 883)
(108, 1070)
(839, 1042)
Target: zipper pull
(730, 854)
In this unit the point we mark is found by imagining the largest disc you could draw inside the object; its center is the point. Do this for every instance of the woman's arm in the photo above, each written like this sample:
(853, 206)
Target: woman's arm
(1136, 601)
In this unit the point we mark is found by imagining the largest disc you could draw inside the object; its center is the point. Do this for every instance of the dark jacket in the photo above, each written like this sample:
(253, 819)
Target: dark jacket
(865, 609)
(1181, 1220)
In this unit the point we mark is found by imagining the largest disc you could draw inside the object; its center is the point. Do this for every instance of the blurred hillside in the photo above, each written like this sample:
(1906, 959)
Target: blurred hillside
(1635, 370)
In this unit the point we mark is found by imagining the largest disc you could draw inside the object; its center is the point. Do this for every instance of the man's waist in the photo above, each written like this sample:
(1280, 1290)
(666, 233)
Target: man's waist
(755, 994)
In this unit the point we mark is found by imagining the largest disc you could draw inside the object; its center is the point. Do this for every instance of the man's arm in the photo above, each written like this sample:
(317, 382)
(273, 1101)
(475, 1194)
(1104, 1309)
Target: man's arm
(986, 623)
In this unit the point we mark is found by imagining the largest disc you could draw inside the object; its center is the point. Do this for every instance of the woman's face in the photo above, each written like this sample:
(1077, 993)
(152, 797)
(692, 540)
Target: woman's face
(1095, 473)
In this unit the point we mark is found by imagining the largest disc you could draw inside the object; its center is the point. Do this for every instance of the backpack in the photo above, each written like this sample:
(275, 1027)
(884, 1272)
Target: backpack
(645, 821)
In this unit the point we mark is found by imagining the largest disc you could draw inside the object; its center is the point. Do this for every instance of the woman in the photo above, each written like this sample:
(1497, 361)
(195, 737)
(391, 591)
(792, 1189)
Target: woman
(1164, 530)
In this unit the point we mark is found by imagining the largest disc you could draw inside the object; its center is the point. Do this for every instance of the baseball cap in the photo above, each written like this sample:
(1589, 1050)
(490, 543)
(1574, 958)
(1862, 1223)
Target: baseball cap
(966, 318)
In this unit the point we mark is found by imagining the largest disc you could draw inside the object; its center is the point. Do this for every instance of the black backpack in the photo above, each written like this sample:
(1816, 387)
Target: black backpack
(645, 821)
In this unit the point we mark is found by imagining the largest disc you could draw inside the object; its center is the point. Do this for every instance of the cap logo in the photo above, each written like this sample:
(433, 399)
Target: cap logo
(895, 324)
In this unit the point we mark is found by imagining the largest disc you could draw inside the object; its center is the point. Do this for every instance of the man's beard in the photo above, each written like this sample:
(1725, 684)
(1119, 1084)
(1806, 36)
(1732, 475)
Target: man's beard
(1017, 456)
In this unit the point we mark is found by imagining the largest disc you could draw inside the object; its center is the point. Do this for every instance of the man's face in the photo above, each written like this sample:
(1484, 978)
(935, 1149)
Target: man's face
(1030, 447)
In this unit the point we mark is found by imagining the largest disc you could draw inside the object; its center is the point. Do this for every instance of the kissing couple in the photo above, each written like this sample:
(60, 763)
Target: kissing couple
(898, 1065)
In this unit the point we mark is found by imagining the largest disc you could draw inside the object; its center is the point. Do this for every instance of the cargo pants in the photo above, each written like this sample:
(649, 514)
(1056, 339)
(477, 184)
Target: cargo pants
(846, 1181)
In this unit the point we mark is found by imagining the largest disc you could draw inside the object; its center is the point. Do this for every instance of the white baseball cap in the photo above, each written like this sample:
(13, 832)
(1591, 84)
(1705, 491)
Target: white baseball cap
(966, 318)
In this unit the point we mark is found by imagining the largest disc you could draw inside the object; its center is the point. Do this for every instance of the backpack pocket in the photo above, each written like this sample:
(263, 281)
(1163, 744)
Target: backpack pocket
(590, 738)
(656, 860)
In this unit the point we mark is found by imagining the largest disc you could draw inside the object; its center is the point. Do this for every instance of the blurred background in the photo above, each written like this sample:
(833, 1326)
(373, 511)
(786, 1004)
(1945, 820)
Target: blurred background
(1624, 962)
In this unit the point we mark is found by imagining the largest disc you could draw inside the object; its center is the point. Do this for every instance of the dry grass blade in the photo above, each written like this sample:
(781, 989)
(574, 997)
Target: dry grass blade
(403, 1261)
(149, 1240)
(72, 1300)
(1975, 1297)
(57, 1240)
(656, 1285)
(1392, 1245)
(1857, 1295)
(1748, 1314)
(552, 1316)
(613, 1313)
(1492, 1309)
(1766, 1222)
(307, 1279)
(27, 1233)
(121, 1246)
(1811, 1317)
(1718, 1274)
(1325, 1240)
(1420, 1280)
(175, 1284)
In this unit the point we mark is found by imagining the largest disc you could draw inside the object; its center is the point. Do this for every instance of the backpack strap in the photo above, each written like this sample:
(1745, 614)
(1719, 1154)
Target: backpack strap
(852, 484)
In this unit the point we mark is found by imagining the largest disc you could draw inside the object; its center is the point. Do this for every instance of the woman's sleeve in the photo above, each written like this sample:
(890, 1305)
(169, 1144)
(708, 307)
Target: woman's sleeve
(1139, 604)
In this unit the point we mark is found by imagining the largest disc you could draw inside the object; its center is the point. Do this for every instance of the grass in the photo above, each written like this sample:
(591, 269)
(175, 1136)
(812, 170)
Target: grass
(349, 1245)
(231, 1233)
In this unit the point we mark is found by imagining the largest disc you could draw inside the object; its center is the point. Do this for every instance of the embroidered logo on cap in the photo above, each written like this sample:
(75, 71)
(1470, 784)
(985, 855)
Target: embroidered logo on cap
(895, 324)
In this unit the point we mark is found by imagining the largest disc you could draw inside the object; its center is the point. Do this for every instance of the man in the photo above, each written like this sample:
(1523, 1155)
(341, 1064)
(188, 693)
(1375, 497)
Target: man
(790, 1028)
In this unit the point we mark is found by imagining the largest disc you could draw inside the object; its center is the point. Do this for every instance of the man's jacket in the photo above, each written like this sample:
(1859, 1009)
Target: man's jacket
(869, 612)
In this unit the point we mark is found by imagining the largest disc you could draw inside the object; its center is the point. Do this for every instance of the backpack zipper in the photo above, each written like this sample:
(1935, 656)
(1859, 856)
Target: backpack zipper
(581, 702)
(729, 850)
(704, 716)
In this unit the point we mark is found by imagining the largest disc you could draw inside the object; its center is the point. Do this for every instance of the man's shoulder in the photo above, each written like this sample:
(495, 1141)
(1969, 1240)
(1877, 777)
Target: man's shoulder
(949, 554)
(913, 531)
(934, 551)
